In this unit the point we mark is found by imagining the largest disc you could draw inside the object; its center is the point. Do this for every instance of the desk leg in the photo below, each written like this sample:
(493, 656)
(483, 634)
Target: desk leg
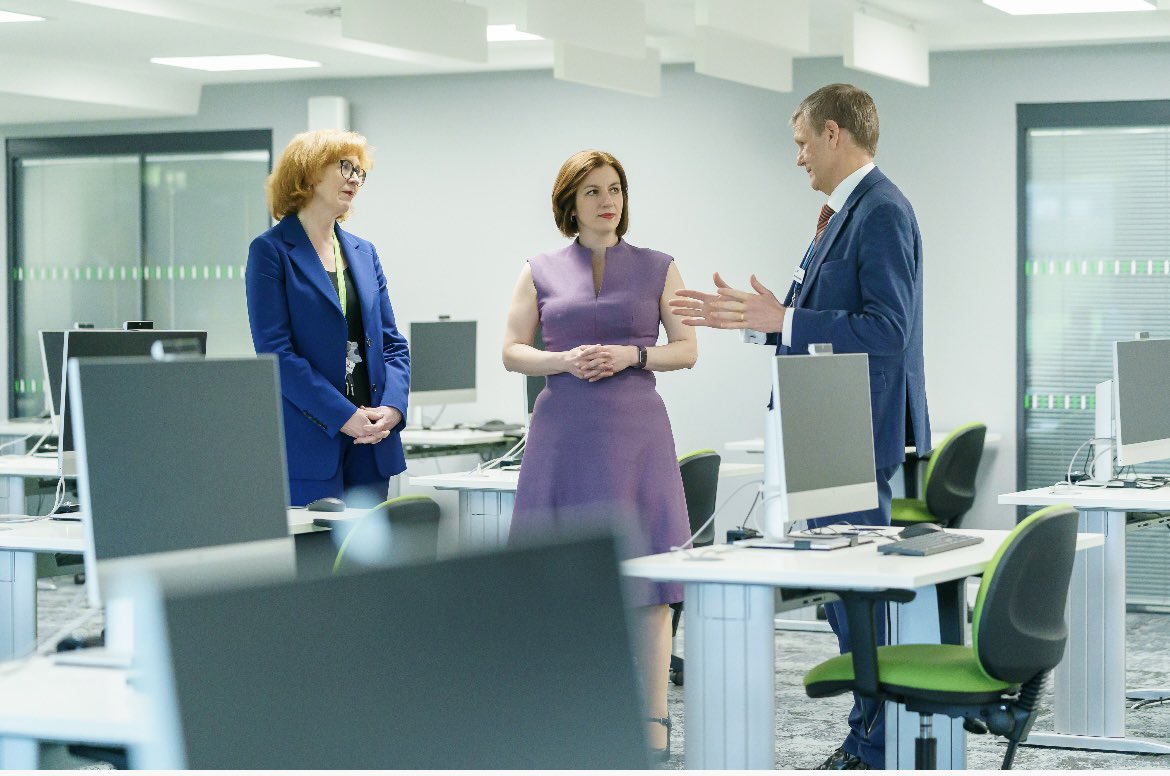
(18, 603)
(20, 754)
(731, 677)
(917, 622)
(1089, 684)
(484, 518)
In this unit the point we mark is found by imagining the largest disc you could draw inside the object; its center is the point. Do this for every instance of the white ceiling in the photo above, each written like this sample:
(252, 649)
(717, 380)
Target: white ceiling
(91, 59)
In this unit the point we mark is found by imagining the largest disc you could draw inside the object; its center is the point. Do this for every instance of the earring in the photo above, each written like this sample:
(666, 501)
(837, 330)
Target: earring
(573, 218)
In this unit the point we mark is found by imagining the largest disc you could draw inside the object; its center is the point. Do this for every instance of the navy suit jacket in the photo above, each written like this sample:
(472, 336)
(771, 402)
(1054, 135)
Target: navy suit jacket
(862, 293)
(294, 312)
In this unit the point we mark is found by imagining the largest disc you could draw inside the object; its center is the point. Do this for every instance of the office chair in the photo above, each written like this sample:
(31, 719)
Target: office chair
(700, 476)
(1018, 636)
(413, 535)
(949, 483)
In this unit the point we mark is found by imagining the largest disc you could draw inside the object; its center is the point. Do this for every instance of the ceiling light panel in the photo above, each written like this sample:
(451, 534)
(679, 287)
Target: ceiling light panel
(12, 16)
(1028, 7)
(222, 64)
(507, 33)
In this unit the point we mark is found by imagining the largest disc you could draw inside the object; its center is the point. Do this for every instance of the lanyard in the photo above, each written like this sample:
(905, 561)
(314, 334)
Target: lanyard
(340, 273)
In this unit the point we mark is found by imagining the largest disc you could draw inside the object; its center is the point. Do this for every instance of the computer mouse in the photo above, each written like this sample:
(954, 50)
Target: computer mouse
(327, 504)
(918, 529)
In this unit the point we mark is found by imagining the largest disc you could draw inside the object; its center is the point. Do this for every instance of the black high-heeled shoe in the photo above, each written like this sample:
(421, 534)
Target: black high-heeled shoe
(663, 754)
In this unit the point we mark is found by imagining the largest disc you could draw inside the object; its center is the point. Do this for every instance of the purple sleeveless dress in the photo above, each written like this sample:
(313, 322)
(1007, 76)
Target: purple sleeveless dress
(601, 455)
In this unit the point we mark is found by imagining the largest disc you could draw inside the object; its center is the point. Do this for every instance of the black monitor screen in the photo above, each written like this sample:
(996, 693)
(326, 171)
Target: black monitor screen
(519, 659)
(180, 455)
(52, 357)
(93, 343)
(442, 356)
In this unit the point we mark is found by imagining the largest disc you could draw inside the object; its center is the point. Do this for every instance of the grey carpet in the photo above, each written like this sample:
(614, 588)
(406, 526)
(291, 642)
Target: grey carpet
(808, 730)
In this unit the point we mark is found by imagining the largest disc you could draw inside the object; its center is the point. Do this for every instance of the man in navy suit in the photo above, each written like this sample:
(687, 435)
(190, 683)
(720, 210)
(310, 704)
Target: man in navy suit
(859, 288)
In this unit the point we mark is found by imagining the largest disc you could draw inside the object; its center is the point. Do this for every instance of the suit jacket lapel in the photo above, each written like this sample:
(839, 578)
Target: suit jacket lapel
(836, 224)
(361, 267)
(304, 255)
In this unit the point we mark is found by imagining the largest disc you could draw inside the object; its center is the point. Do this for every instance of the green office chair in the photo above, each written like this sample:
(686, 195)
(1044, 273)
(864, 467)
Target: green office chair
(700, 476)
(413, 532)
(1018, 635)
(949, 484)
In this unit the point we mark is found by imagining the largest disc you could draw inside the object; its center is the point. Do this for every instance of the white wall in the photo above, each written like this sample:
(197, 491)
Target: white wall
(459, 198)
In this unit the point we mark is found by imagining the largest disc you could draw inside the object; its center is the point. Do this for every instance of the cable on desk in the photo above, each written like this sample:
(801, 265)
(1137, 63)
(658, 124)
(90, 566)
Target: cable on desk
(17, 441)
(711, 519)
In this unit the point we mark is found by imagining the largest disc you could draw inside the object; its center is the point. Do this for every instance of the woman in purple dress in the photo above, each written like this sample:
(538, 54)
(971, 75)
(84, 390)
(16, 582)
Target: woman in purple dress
(600, 452)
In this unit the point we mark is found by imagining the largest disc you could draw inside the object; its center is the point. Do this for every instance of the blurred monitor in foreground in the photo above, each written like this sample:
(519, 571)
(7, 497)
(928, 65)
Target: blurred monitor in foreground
(519, 659)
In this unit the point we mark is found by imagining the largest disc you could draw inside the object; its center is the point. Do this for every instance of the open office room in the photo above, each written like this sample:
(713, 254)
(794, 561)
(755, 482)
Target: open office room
(458, 199)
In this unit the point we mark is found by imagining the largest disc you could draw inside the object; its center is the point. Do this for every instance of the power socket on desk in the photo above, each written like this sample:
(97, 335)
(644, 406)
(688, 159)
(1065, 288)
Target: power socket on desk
(738, 534)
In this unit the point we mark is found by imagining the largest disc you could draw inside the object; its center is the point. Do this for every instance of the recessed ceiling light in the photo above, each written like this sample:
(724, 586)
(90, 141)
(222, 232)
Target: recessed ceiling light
(10, 16)
(497, 33)
(1024, 7)
(236, 62)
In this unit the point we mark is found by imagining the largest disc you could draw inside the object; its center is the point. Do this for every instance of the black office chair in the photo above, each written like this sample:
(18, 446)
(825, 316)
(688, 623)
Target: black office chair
(700, 476)
(1018, 635)
(949, 483)
(413, 535)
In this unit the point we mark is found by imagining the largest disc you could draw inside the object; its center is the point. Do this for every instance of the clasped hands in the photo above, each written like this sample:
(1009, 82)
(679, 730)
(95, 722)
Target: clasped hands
(597, 362)
(730, 308)
(370, 425)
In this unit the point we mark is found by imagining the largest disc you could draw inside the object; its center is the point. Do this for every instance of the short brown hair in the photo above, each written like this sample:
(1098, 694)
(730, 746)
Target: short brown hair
(564, 193)
(852, 108)
(305, 158)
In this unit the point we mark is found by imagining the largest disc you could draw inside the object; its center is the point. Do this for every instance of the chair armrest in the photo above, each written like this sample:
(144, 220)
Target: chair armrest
(859, 611)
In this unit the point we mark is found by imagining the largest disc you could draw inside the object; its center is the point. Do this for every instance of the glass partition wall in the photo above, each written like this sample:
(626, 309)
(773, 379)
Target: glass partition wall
(155, 228)
(1094, 268)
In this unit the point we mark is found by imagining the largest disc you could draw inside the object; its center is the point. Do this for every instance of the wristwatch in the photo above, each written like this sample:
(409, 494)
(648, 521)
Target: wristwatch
(641, 357)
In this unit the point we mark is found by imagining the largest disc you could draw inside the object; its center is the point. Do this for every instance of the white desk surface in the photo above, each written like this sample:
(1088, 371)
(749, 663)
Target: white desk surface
(76, 703)
(69, 535)
(496, 479)
(757, 445)
(28, 466)
(1111, 499)
(854, 568)
(22, 426)
(451, 436)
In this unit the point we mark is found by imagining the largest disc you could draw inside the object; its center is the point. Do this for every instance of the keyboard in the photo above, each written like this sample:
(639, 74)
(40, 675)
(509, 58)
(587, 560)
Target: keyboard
(929, 544)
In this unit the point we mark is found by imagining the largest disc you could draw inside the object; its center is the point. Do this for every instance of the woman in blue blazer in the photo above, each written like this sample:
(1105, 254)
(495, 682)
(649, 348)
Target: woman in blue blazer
(317, 300)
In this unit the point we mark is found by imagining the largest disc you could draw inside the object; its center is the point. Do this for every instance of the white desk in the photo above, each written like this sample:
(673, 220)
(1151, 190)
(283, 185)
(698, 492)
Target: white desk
(452, 436)
(486, 500)
(1089, 684)
(73, 704)
(730, 647)
(19, 545)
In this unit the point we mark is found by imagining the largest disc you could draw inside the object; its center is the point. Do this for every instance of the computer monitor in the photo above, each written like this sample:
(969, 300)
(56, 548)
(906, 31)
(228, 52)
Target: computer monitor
(178, 457)
(475, 662)
(442, 362)
(53, 362)
(1141, 390)
(106, 343)
(818, 444)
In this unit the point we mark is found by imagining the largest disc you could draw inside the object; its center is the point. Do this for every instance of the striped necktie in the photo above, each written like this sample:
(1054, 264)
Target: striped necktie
(822, 221)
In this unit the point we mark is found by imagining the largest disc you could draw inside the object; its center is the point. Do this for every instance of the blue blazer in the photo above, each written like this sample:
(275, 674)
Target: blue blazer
(294, 312)
(863, 294)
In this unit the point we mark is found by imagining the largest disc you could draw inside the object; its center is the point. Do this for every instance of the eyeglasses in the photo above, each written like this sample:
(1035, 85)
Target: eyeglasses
(350, 171)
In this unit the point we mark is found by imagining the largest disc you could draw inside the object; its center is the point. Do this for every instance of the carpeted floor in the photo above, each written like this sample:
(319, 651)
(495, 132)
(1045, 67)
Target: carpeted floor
(806, 730)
